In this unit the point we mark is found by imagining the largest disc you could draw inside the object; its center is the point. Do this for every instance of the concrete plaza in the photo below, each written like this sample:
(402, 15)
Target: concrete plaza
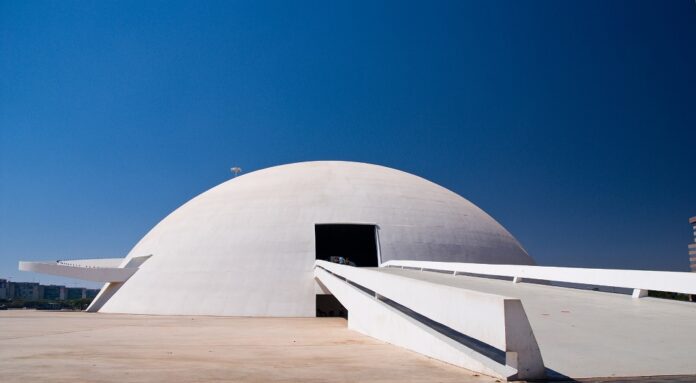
(38, 346)
(71, 347)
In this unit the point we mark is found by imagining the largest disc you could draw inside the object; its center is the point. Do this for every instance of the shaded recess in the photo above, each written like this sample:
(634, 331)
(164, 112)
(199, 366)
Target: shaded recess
(354, 242)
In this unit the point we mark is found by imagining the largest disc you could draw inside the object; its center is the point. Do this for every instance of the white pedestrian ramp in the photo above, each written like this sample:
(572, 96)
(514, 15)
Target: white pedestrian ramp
(590, 334)
(521, 330)
(491, 336)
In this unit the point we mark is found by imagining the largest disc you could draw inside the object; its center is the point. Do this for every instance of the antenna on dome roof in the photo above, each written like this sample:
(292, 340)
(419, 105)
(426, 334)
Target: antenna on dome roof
(236, 170)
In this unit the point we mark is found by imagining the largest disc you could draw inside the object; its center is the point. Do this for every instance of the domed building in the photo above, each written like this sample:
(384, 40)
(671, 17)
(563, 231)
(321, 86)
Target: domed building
(247, 246)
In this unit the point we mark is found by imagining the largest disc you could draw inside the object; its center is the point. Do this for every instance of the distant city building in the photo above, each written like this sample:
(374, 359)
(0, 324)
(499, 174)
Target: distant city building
(52, 292)
(28, 291)
(75, 293)
(3, 289)
(692, 246)
(31, 291)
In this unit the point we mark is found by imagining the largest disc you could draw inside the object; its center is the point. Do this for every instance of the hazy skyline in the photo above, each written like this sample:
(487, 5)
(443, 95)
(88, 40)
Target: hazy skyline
(572, 123)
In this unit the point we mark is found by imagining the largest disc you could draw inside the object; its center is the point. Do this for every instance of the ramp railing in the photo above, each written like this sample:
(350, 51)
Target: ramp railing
(639, 280)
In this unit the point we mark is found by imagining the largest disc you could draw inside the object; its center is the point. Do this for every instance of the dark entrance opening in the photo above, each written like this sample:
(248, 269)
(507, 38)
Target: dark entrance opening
(355, 243)
(329, 306)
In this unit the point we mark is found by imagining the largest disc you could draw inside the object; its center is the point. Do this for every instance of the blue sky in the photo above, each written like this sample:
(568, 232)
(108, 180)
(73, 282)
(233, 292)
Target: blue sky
(572, 123)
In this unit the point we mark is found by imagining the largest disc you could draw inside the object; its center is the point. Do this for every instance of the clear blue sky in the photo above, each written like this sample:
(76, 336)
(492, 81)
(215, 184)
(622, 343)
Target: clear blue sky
(573, 123)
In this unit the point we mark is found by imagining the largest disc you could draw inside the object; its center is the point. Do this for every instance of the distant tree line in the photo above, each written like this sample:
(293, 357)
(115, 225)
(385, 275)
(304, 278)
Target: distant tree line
(668, 295)
(46, 304)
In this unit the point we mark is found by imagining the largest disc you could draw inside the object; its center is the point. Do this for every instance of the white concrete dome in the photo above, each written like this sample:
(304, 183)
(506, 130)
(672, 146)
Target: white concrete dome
(247, 246)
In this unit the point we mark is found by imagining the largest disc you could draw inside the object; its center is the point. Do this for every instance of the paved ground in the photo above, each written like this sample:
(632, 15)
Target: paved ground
(585, 334)
(73, 347)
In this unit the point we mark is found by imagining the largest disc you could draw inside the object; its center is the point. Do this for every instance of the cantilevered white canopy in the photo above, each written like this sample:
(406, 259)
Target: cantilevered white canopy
(96, 270)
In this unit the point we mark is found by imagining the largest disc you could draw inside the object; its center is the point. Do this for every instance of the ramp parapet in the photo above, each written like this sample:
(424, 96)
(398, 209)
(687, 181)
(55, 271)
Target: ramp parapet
(639, 280)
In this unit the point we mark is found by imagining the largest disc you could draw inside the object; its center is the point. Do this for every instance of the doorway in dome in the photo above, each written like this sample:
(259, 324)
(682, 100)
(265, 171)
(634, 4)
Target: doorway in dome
(351, 244)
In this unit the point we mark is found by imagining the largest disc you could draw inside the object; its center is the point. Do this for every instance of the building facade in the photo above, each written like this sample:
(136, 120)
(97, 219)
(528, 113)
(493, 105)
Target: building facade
(692, 246)
(27, 291)
(76, 293)
(31, 291)
(4, 286)
(52, 292)
(251, 243)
